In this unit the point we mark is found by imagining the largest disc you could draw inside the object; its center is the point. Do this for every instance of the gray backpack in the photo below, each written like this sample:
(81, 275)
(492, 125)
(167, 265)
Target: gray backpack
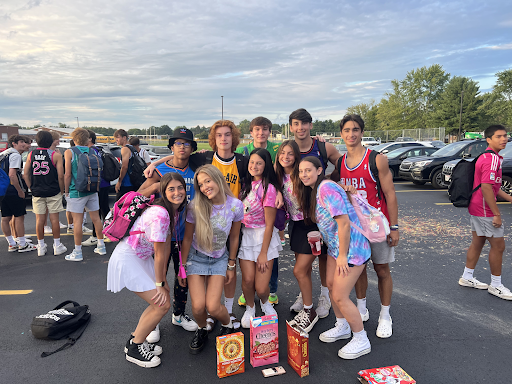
(88, 175)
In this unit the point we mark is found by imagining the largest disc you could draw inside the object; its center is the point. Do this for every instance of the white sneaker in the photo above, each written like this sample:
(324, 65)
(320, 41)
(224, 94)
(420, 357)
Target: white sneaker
(59, 249)
(501, 291)
(340, 331)
(102, 250)
(47, 229)
(27, 248)
(246, 318)
(357, 347)
(86, 231)
(90, 241)
(41, 249)
(324, 306)
(385, 328)
(185, 322)
(27, 239)
(71, 229)
(298, 305)
(62, 226)
(473, 283)
(267, 308)
(365, 316)
(154, 335)
(74, 256)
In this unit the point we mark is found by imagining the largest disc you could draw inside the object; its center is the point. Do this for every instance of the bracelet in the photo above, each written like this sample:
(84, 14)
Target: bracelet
(232, 260)
(231, 267)
(394, 227)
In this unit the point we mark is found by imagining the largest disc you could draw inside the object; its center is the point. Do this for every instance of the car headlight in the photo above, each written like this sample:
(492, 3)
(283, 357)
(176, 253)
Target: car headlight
(422, 163)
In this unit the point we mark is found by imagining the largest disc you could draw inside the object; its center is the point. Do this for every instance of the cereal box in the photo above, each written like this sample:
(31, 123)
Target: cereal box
(230, 354)
(264, 341)
(298, 348)
(385, 375)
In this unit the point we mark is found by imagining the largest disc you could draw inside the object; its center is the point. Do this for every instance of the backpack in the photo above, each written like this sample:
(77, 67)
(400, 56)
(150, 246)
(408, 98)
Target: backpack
(461, 186)
(61, 322)
(374, 225)
(123, 214)
(111, 166)
(5, 181)
(373, 169)
(323, 152)
(137, 167)
(89, 167)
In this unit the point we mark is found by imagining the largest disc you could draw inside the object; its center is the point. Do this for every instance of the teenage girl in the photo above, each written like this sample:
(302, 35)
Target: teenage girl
(287, 170)
(131, 266)
(260, 241)
(215, 216)
(325, 203)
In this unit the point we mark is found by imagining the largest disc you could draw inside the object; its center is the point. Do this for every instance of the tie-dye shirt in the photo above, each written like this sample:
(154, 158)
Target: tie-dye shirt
(332, 201)
(254, 212)
(291, 203)
(221, 218)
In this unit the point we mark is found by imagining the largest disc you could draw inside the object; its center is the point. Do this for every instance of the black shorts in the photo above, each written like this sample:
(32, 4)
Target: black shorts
(13, 205)
(298, 231)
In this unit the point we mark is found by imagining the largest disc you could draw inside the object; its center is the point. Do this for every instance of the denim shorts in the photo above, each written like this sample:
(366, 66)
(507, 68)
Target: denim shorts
(200, 264)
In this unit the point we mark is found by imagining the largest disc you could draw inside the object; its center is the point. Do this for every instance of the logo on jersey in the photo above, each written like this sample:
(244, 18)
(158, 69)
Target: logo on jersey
(492, 176)
(357, 183)
(365, 167)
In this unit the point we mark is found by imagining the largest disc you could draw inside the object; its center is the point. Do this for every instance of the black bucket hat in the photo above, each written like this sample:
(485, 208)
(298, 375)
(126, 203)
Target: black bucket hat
(182, 133)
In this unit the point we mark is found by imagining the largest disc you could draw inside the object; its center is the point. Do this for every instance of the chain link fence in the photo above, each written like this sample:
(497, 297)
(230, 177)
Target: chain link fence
(420, 134)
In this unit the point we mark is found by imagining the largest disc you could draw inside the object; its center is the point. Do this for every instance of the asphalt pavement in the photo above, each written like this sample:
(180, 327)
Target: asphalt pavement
(442, 333)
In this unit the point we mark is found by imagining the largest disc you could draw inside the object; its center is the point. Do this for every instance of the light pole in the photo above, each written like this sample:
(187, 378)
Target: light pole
(460, 117)
(222, 98)
(77, 124)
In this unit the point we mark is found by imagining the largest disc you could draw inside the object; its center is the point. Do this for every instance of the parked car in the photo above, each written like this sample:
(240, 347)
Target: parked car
(396, 157)
(429, 168)
(388, 147)
(402, 139)
(433, 143)
(341, 148)
(369, 141)
(3, 145)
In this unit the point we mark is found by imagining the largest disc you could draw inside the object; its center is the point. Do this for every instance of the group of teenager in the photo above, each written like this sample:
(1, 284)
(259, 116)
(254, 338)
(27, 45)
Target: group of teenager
(220, 207)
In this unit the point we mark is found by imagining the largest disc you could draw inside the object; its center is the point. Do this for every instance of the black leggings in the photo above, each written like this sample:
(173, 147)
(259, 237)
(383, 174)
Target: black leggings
(104, 207)
(180, 293)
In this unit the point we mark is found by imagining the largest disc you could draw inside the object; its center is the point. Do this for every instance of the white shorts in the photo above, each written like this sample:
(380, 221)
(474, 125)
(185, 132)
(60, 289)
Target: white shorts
(78, 204)
(252, 239)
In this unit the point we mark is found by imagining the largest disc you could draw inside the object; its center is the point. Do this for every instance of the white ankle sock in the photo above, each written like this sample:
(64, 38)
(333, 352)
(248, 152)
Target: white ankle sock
(229, 325)
(308, 306)
(78, 248)
(22, 241)
(56, 242)
(10, 240)
(360, 335)
(361, 305)
(340, 320)
(228, 303)
(324, 291)
(101, 243)
(40, 242)
(384, 312)
(495, 281)
(468, 273)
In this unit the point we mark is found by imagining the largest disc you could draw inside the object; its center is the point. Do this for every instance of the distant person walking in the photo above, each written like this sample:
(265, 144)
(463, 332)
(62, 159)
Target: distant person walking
(135, 143)
(124, 184)
(485, 216)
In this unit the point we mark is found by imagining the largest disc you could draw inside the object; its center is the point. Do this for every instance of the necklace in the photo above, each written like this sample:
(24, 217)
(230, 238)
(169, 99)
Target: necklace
(223, 205)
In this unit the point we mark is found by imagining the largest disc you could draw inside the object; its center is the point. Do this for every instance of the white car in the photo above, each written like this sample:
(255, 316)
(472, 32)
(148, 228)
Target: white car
(369, 141)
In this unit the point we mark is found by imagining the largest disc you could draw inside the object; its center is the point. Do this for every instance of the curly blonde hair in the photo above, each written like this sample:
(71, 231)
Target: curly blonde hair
(235, 134)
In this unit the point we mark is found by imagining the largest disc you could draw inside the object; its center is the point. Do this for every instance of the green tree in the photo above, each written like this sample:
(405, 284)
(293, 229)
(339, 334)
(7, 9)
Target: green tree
(276, 128)
(499, 105)
(62, 125)
(135, 132)
(368, 113)
(244, 126)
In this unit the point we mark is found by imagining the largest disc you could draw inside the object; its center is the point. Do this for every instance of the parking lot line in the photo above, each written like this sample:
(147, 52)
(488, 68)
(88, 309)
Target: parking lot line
(46, 234)
(16, 292)
(499, 202)
(423, 190)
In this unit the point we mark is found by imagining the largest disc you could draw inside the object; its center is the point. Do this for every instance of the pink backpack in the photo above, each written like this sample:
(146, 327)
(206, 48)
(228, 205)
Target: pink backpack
(375, 226)
(123, 214)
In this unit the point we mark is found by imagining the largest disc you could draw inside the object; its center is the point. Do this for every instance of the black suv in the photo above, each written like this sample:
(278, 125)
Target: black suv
(429, 168)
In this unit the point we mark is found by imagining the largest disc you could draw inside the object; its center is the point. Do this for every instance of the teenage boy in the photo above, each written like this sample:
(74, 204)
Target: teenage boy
(182, 144)
(260, 130)
(135, 143)
(485, 217)
(124, 184)
(44, 175)
(78, 201)
(301, 124)
(13, 203)
(355, 170)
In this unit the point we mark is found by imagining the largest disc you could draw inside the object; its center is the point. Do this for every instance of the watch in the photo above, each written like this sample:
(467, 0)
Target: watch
(162, 284)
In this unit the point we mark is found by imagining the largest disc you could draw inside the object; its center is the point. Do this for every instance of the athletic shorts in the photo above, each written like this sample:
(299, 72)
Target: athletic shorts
(53, 203)
(483, 227)
(78, 204)
(13, 205)
(382, 253)
(298, 231)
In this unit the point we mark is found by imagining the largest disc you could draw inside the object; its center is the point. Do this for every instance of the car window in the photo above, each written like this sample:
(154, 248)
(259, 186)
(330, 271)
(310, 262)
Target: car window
(507, 152)
(428, 151)
(451, 149)
(414, 152)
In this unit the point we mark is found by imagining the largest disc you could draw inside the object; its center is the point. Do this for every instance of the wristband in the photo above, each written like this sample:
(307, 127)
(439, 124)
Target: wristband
(394, 227)
(162, 284)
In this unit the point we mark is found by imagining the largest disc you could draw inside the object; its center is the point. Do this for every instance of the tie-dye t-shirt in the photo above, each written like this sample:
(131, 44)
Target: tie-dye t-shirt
(291, 203)
(254, 213)
(222, 217)
(332, 201)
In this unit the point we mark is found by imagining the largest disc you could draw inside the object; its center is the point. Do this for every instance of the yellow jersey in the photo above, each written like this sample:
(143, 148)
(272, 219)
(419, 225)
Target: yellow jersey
(230, 172)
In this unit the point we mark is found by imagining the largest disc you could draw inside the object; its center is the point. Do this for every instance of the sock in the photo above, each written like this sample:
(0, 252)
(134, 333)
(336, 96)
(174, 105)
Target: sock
(22, 241)
(40, 242)
(495, 281)
(228, 303)
(361, 306)
(468, 273)
(84, 221)
(10, 240)
(78, 248)
(101, 243)
(340, 320)
(324, 291)
(360, 335)
(229, 325)
(308, 306)
(70, 226)
(56, 242)
(384, 312)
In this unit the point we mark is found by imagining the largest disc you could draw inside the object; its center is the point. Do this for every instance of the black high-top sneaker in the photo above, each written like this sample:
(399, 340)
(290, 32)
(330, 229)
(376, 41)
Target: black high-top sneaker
(141, 355)
(198, 341)
(154, 349)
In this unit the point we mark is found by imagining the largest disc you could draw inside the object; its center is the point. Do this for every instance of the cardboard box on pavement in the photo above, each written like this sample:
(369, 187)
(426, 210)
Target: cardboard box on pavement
(298, 348)
(393, 374)
(230, 354)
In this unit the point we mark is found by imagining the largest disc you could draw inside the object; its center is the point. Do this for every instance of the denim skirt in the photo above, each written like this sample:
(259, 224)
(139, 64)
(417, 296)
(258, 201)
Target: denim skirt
(200, 264)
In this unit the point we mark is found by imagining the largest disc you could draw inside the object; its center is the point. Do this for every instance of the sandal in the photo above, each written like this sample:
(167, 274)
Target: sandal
(234, 321)
(210, 323)
(385, 328)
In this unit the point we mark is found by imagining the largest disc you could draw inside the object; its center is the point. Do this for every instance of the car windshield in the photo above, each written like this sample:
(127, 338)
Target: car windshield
(395, 153)
(341, 147)
(380, 146)
(507, 152)
(450, 149)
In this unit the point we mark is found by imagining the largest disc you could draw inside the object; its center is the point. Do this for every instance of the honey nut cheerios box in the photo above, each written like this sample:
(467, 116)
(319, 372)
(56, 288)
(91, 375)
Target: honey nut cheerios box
(264, 340)
(298, 348)
(230, 354)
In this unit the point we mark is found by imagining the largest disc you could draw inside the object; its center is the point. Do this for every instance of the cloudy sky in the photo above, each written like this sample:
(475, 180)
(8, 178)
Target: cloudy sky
(136, 63)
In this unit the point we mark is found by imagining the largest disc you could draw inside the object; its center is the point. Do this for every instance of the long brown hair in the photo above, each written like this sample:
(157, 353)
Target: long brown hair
(294, 176)
(164, 202)
(306, 196)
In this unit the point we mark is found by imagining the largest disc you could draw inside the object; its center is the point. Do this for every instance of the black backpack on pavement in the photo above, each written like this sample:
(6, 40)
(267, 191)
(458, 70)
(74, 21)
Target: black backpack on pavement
(461, 186)
(137, 167)
(61, 322)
